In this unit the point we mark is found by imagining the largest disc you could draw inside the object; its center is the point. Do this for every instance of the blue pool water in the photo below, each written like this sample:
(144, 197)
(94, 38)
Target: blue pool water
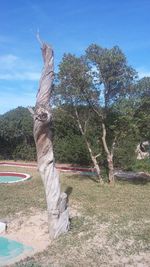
(7, 179)
(10, 249)
(89, 173)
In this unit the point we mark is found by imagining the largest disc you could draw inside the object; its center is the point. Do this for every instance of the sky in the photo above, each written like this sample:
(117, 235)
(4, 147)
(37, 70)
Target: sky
(69, 26)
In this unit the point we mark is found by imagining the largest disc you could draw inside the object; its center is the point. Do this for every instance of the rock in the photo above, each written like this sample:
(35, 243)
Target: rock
(3, 227)
(132, 176)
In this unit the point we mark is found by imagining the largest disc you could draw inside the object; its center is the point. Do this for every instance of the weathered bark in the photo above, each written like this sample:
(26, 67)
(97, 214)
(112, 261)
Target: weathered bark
(109, 154)
(93, 158)
(57, 206)
(111, 176)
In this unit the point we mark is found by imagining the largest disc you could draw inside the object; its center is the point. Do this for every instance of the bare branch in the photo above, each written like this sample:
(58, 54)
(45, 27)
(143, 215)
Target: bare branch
(104, 139)
(31, 110)
(46, 80)
(86, 122)
(78, 121)
(39, 38)
(85, 126)
(113, 146)
(98, 155)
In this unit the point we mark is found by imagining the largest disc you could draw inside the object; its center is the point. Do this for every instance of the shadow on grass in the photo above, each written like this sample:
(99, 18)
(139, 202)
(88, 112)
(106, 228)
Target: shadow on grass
(136, 181)
(91, 177)
(68, 191)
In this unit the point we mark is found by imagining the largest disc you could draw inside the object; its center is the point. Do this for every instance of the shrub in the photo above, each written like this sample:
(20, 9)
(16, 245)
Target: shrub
(24, 152)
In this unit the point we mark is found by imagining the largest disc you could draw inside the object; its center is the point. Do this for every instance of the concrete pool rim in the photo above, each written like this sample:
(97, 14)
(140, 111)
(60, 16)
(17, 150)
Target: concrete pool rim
(23, 176)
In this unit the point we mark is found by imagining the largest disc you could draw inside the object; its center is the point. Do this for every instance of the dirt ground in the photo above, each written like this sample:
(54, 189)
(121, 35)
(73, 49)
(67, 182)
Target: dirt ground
(32, 230)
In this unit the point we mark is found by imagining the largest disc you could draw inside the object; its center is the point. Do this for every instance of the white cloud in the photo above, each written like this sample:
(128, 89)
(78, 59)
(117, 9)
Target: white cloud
(7, 61)
(9, 58)
(15, 68)
(14, 92)
(17, 76)
(143, 73)
(25, 99)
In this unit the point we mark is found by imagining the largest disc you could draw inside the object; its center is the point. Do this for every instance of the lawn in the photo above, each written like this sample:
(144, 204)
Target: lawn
(111, 226)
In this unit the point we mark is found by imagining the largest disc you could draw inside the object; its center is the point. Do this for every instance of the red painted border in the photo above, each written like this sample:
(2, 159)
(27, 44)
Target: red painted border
(18, 164)
(20, 175)
(78, 169)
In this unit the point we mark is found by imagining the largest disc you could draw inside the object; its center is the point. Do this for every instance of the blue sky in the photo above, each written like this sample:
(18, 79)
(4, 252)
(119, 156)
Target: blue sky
(70, 26)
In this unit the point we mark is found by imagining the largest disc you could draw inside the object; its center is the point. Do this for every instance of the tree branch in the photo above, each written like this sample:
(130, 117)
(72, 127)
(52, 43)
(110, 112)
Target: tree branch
(85, 124)
(113, 146)
(98, 155)
(78, 121)
(104, 139)
(31, 111)
(39, 38)
(47, 77)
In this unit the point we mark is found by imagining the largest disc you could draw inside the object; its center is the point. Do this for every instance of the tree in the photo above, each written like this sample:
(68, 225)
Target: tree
(114, 79)
(69, 145)
(142, 100)
(16, 136)
(17, 142)
(122, 125)
(74, 80)
(58, 214)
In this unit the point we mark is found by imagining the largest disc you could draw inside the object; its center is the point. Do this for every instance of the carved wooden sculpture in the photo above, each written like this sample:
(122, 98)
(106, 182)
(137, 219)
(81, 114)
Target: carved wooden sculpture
(58, 214)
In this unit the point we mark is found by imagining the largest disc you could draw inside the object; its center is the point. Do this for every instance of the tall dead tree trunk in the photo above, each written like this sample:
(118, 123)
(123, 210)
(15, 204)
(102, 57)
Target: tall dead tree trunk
(57, 206)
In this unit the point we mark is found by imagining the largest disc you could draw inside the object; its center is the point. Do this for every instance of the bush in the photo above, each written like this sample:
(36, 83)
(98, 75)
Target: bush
(124, 156)
(24, 152)
(71, 149)
(142, 165)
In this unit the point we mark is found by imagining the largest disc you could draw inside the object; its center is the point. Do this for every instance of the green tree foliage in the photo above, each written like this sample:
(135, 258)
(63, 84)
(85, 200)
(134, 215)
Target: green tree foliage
(18, 122)
(112, 72)
(75, 80)
(135, 126)
(142, 114)
(16, 138)
(69, 145)
(99, 83)
(121, 124)
(114, 81)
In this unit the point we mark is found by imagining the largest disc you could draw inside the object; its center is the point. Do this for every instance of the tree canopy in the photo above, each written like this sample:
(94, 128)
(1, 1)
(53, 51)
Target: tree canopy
(97, 87)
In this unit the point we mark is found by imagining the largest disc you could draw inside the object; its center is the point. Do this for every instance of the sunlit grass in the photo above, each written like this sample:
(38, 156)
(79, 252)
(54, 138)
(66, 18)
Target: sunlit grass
(21, 196)
(112, 220)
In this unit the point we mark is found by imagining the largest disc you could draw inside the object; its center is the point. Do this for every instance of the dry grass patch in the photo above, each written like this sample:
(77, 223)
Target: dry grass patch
(110, 225)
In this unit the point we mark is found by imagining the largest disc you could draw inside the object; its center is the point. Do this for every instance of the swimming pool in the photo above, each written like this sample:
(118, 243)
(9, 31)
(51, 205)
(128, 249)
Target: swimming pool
(10, 250)
(13, 177)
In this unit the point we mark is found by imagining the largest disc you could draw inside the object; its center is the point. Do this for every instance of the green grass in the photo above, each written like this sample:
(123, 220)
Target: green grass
(112, 227)
(21, 196)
